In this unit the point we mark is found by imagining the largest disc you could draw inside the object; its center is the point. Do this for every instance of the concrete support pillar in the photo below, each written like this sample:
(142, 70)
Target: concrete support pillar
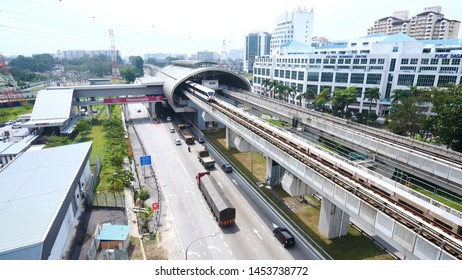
(269, 167)
(274, 172)
(209, 120)
(333, 222)
(294, 186)
(230, 135)
(152, 109)
(125, 110)
(242, 145)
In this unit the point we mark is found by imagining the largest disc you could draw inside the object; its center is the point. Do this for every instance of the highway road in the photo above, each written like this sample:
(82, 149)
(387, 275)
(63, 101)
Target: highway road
(197, 232)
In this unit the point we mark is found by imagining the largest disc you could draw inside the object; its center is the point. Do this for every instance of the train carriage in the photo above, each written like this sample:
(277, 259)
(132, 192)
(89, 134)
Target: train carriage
(208, 93)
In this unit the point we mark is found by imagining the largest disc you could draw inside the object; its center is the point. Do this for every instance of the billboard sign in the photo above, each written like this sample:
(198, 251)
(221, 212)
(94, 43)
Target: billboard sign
(120, 100)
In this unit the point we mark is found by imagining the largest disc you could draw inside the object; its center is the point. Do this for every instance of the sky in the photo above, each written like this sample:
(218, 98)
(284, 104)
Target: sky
(180, 26)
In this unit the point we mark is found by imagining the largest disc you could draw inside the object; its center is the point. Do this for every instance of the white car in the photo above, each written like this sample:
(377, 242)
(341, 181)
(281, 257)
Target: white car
(177, 142)
(169, 119)
(172, 130)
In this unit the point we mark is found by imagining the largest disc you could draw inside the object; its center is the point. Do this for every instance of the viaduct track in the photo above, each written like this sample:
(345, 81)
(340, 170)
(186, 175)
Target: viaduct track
(436, 152)
(434, 232)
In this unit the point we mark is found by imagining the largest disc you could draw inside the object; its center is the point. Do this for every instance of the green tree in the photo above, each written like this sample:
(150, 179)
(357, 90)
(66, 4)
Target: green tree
(128, 73)
(372, 94)
(138, 63)
(3, 115)
(447, 104)
(152, 61)
(274, 87)
(293, 91)
(309, 95)
(56, 141)
(322, 99)
(83, 126)
(143, 195)
(341, 98)
(300, 97)
(116, 183)
(266, 83)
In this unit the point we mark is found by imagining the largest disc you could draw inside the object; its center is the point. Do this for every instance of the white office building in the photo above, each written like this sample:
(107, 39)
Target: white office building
(294, 26)
(388, 62)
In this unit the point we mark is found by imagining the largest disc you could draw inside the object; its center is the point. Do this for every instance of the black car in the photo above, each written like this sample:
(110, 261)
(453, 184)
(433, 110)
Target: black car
(227, 168)
(201, 140)
(284, 236)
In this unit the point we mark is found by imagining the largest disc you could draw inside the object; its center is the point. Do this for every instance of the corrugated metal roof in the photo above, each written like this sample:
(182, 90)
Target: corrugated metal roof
(32, 190)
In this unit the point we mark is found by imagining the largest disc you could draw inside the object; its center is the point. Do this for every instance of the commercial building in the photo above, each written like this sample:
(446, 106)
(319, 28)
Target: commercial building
(387, 62)
(294, 26)
(428, 25)
(256, 44)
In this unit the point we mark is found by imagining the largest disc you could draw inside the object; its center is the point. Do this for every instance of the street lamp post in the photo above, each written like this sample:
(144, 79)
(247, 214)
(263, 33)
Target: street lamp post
(200, 238)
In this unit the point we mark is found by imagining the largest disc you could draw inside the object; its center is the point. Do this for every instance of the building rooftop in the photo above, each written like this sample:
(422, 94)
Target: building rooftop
(33, 188)
(114, 232)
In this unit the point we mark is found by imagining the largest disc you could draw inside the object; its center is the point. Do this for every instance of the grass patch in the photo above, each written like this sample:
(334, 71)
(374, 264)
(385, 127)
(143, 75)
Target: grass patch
(252, 164)
(12, 113)
(278, 123)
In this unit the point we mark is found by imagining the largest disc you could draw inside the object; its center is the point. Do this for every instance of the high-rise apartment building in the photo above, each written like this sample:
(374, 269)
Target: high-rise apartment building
(256, 44)
(295, 26)
(73, 54)
(428, 25)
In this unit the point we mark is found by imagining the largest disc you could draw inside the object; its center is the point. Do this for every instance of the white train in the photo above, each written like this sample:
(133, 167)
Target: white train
(208, 93)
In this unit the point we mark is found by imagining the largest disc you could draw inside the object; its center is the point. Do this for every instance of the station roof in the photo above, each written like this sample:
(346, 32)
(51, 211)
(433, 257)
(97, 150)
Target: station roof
(51, 107)
(182, 70)
(193, 63)
(38, 182)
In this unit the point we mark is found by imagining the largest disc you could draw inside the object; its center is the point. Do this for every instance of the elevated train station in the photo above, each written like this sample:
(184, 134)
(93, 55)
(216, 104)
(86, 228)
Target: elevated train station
(166, 87)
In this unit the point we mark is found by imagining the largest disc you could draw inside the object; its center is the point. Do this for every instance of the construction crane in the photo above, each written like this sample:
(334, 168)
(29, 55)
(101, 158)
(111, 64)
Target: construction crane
(9, 89)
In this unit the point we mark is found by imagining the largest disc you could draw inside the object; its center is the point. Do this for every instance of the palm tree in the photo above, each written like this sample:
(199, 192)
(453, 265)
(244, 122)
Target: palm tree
(321, 99)
(274, 86)
(309, 95)
(372, 94)
(398, 96)
(293, 91)
(266, 84)
(299, 97)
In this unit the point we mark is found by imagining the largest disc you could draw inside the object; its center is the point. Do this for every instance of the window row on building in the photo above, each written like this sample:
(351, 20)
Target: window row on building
(390, 76)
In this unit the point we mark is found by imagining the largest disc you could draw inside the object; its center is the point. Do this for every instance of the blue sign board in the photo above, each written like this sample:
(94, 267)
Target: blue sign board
(145, 160)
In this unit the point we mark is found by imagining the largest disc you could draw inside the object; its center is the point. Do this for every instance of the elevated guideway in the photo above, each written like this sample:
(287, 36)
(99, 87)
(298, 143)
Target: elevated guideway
(402, 151)
(342, 196)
